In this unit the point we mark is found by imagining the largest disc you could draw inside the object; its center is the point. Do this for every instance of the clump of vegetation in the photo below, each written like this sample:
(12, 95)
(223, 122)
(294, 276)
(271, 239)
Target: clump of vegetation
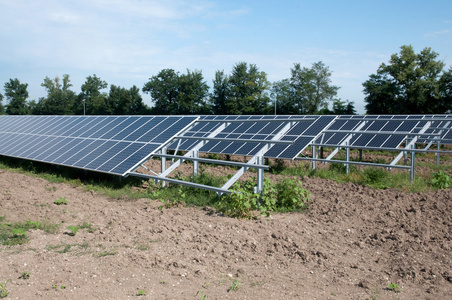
(394, 287)
(3, 291)
(16, 233)
(441, 180)
(61, 201)
(244, 203)
(141, 293)
(25, 275)
(72, 230)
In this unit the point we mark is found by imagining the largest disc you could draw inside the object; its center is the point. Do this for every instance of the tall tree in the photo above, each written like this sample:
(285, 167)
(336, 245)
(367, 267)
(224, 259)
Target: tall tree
(192, 93)
(2, 108)
(163, 89)
(248, 90)
(409, 84)
(173, 93)
(220, 93)
(60, 99)
(92, 97)
(284, 100)
(312, 87)
(122, 101)
(16, 94)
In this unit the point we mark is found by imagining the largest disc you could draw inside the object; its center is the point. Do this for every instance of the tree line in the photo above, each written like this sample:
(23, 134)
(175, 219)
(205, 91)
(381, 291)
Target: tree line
(410, 84)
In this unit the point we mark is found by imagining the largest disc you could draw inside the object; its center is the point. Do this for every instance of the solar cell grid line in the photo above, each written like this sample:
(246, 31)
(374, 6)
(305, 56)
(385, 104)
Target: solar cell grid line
(90, 153)
(41, 142)
(61, 130)
(86, 124)
(116, 132)
(25, 145)
(43, 126)
(18, 126)
(100, 128)
(18, 142)
(136, 123)
(11, 122)
(113, 128)
(80, 151)
(59, 141)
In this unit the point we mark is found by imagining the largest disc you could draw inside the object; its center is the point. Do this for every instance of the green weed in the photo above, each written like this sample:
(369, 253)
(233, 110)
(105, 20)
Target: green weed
(141, 293)
(441, 180)
(61, 201)
(394, 287)
(25, 275)
(72, 230)
(3, 291)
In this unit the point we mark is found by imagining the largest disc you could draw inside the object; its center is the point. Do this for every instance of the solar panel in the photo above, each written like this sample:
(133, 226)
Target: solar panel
(372, 124)
(254, 131)
(110, 144)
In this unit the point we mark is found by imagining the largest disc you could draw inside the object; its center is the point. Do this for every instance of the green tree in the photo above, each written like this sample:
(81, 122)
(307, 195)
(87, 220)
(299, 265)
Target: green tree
(173, 93)
(247, 91)
(410, 84)
(220, 93)
(312, 89)
(94, 99)
(60, 99)
(16, 94)
(192, 94)
(340, 108)
(283, 96)
(2, 108)
(122, 101)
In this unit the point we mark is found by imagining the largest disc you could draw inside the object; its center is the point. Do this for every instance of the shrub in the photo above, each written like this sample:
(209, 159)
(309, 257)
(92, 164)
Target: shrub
(441, 180)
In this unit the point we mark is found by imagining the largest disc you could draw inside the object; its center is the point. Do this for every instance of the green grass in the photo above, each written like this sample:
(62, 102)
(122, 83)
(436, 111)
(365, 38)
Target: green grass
(16, 233)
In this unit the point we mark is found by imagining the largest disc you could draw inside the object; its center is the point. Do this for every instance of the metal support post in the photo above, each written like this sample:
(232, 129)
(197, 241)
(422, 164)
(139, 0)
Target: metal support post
(347, 158)
(437, 153)
(412, 164)
(405, 153)
(260, 175)
(314, 156)
(163, 166)
(195, 163)
(360, 154)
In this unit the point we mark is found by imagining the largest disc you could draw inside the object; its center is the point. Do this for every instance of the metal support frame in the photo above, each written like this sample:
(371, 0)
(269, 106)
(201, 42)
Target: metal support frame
(195, 163)
(412, 142)
(254, 159)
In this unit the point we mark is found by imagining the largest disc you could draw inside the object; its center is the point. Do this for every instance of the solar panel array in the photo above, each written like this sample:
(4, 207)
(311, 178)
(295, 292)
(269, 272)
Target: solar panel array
(119, 144)
(110, 144)
(443, 127)
(301, 134)
(372, 124)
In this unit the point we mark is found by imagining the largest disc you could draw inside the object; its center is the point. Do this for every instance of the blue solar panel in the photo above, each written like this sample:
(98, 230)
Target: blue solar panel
(111, 144)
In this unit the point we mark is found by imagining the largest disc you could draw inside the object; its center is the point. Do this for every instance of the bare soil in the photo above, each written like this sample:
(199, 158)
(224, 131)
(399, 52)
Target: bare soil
(351, 244)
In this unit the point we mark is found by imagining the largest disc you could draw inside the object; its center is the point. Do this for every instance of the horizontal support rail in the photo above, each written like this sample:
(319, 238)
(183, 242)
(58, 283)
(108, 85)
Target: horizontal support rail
(353, 162)
(214, 161)
(377, 148)
(382, 132)
(181, 182)
(256, 120)
(416, 119)
(234, 140)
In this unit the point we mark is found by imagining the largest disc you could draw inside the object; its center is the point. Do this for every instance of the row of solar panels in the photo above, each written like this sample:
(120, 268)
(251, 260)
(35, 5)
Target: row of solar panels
(119, 144)
(360, 131)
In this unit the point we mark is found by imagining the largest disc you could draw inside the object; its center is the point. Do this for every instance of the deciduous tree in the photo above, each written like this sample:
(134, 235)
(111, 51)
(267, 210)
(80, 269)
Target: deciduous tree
(16, 95)
(409, 84)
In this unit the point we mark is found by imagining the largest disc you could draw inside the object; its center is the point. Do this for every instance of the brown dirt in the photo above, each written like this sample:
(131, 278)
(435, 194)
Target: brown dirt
(351, 244)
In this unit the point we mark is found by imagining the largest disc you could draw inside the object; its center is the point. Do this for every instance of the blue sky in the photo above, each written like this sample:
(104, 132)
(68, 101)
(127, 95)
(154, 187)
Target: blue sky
(124, 42)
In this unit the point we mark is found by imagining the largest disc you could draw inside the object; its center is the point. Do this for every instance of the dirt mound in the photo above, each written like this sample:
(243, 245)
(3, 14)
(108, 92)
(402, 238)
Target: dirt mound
(352, 243)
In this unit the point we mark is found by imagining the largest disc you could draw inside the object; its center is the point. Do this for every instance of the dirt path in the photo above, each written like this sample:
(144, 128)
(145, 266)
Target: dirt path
(352, 243)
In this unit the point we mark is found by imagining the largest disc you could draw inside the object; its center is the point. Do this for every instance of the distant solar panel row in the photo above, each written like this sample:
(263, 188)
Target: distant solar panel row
(110, 144)
(384, 123)
(302, 134)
